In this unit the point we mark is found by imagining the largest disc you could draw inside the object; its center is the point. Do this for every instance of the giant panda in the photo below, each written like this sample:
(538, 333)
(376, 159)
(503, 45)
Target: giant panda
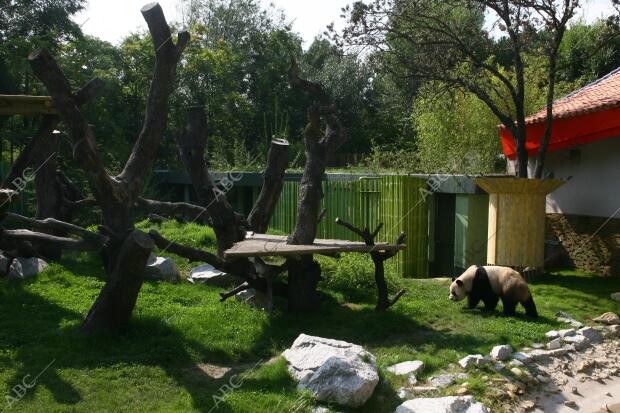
(490, 283)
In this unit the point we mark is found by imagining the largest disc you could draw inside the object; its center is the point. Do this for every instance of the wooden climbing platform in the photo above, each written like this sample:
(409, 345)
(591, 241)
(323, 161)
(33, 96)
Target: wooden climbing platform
(260, 245)
(26, 105)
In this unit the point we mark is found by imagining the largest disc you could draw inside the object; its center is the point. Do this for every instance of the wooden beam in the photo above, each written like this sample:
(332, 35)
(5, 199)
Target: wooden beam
(26, 105)
(261, 245)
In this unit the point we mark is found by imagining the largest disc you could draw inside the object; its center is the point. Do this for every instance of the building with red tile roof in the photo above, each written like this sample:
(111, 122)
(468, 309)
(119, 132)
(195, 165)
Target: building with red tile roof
(589, 114)
(583, 224)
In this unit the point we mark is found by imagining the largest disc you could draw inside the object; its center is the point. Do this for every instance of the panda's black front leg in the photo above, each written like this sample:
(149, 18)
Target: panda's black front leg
(472, 301)
(490, 303)
(510, 307)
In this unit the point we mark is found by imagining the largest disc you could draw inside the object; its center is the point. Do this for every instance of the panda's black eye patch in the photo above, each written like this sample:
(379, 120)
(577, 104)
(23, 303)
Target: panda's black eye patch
(459, 283)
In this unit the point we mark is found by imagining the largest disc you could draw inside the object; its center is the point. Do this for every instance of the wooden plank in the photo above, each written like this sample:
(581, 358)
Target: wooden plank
(26, 105)
(259, 245)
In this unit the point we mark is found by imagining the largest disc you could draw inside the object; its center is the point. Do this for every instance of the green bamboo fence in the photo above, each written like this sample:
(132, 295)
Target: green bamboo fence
(399, 202)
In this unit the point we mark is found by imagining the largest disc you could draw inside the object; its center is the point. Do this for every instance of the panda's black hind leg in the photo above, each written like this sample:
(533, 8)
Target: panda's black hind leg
(490, 303)
(509, 307)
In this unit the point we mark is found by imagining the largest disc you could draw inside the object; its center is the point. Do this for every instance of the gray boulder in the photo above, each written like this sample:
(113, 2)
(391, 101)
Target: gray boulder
(24, 268)
(445, 380)
(471, 361)
(252, 297)
(406, 367)
(333, 371)
(161, 269)
(615, 296)
(591, 334)
(608, 318)
(501, 352)
(451, 404)
(209, 275)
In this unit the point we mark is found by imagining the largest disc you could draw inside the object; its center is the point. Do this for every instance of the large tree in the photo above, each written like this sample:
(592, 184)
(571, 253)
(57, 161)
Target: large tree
(126, 249)
(456, 42)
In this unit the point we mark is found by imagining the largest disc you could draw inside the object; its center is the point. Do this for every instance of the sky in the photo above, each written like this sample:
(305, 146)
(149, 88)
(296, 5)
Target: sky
(112, 20)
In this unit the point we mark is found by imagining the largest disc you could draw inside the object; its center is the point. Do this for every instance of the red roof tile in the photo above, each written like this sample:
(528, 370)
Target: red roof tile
(601, 94)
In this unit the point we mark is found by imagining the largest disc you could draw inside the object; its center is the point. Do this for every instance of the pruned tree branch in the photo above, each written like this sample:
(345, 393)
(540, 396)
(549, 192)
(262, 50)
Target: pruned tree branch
(378, 257)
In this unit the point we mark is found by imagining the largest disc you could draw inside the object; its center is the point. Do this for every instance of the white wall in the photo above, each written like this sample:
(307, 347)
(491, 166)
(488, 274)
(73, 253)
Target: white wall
(594, 189)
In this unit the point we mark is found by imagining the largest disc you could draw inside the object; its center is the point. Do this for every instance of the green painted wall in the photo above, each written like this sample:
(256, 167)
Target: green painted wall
(470, 235)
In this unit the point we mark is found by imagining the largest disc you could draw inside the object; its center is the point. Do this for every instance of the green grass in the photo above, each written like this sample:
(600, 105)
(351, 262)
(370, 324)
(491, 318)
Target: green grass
(159, 364)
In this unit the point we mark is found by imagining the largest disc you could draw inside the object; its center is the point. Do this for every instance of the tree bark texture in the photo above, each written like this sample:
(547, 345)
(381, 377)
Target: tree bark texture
(227, 225)
(378, 257)
(273, 180)
(126, 250)
(303, 272)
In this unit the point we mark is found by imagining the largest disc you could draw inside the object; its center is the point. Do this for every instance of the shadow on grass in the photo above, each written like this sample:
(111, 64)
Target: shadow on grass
(597, 286)
(42, 332)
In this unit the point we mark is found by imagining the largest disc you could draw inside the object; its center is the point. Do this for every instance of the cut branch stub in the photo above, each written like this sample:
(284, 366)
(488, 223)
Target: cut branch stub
(273, 180)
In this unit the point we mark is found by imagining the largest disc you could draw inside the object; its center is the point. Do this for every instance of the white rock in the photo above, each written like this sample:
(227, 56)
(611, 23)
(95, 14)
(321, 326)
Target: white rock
(554, 344)
(516, 363)
(407, 367)
(499, 366)
(450, 404)
(614, 331)
(567, 333)
(608, 318)
(615, 296)
(552, 334)
(161, 268)
(333, 371)
(412, 380)
(24, 268)
(209, 275)
(522, 357)
(252, 297)
(501, 352)
(445, 380)
(574, 323)
(471, 361)
(580, 342)
(591, 334)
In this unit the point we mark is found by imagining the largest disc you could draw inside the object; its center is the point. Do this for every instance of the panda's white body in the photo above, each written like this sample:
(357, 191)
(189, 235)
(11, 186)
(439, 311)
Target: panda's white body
(491, 283)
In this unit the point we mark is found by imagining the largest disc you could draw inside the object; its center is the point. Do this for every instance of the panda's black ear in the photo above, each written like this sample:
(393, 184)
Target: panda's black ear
(459, 283)
(453, 278)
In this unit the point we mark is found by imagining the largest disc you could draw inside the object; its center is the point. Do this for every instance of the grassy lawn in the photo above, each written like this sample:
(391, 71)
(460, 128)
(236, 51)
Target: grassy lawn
(179, 332)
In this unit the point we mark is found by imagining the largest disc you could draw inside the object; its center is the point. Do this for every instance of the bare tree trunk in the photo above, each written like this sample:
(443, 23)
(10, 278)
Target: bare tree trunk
(304, 273)
(273, 179)
(118, 297)
(227, 225)
(126, 251)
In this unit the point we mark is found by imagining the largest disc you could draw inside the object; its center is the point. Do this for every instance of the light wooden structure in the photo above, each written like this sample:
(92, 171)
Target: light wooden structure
(261, 245)
(516, 231)
(26, 105)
